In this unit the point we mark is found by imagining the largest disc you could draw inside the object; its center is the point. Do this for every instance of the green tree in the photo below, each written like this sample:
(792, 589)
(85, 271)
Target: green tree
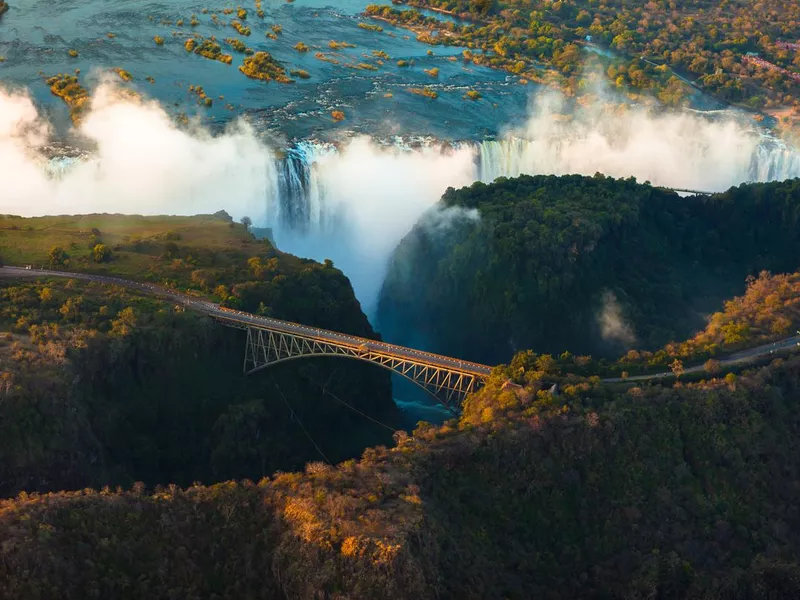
(221, 292)
(125, 322)
(735, 332)
(57, 256)
(256, 266)
(71, 309)
(101, 253)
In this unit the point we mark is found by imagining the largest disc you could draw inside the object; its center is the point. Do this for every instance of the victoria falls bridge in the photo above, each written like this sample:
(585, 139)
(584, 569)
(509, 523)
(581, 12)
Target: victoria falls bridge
(272, 341)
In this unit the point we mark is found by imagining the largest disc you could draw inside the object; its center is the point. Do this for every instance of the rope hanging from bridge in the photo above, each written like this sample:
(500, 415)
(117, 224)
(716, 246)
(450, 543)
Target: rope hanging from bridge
(299, 422)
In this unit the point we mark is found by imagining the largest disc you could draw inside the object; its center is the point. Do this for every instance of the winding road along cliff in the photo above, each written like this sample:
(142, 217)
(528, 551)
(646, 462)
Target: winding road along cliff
(215, 310)
(737, 359)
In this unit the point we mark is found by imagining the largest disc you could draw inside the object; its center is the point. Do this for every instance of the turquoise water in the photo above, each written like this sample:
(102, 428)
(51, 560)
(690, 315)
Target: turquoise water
(35, 36)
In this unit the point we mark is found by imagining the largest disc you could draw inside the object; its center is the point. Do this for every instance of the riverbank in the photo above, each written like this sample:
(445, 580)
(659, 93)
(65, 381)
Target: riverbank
(419, 30)
(675, 83)
(460, 16)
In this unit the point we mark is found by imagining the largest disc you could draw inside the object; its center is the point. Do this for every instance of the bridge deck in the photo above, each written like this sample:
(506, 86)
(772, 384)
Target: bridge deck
(244, 320)
(312, 333)
(687, 191)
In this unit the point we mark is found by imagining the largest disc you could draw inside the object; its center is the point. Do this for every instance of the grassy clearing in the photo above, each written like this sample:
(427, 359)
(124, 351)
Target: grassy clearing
(160, 248)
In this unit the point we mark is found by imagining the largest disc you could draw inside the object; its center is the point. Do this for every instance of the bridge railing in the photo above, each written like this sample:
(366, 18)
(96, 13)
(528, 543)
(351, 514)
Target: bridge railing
(687, 191)
(352, 341)
(289, 327)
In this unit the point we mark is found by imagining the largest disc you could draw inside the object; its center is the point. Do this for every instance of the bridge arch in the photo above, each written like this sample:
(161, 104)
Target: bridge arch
(265, 348)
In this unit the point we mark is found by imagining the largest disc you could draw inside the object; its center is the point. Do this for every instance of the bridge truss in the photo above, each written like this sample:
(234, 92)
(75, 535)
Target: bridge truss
(265, 347)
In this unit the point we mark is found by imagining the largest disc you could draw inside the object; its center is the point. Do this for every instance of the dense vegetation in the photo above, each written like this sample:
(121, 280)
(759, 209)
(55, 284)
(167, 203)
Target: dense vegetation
(547, 485)
(683, 493)
(659, 43)
(101, 386)
(768, 311)
(208, 48)
(263, 66)
(239, 46)
(72, 93)
(585, 264)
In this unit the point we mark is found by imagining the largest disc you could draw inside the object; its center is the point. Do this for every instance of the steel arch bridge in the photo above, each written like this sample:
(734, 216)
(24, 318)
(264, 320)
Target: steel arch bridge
(447, 379)
(272, 341)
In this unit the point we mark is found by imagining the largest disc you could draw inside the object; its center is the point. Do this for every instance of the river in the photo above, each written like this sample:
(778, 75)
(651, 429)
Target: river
(32, 40)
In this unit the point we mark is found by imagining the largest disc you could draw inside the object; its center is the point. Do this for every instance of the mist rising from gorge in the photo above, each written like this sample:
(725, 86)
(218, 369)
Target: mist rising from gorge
(141, 164)
(362, 197)
(673, 149)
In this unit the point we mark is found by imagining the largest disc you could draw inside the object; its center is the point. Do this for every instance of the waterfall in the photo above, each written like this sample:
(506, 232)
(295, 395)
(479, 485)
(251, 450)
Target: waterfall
(305, 205)
(506, 158)
(57, 167)
(299, 202)
(696, 165)
(774, 162)
(302, 196)
(353, 203)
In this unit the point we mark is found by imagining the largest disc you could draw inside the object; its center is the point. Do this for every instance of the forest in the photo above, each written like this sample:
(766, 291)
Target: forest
(769, 310)
(589, 265)
(137, 461)
(588, 492)
(659, 45)
(102, 386)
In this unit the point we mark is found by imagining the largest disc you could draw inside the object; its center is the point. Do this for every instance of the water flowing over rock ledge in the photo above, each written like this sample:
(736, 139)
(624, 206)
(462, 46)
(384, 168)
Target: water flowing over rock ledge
(300, 196)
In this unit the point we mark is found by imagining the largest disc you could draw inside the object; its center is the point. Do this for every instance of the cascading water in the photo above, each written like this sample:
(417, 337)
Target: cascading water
(505, 158)
(768, 160)
(774, 162)
(307, 196)
(298, 204)
(304, 206)
(58, 167)
(353, 202)
(303, 198)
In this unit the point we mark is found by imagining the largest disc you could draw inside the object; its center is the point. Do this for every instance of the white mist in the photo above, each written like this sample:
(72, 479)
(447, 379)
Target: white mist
(365, 197)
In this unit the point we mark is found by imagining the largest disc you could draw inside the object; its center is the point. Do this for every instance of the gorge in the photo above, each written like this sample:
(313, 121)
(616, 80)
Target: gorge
(352, 201)
(485, 178)
(345, 189)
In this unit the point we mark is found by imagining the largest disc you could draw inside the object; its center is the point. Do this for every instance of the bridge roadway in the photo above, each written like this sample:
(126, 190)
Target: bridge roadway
(695, 192)
(780, 347)
(250, 320)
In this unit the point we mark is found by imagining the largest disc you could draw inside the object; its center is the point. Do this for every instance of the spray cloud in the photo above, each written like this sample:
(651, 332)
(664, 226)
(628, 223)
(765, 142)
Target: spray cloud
(674, 149)
(368, 196)
(377, 195)
(142, 163)
(613, 326)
